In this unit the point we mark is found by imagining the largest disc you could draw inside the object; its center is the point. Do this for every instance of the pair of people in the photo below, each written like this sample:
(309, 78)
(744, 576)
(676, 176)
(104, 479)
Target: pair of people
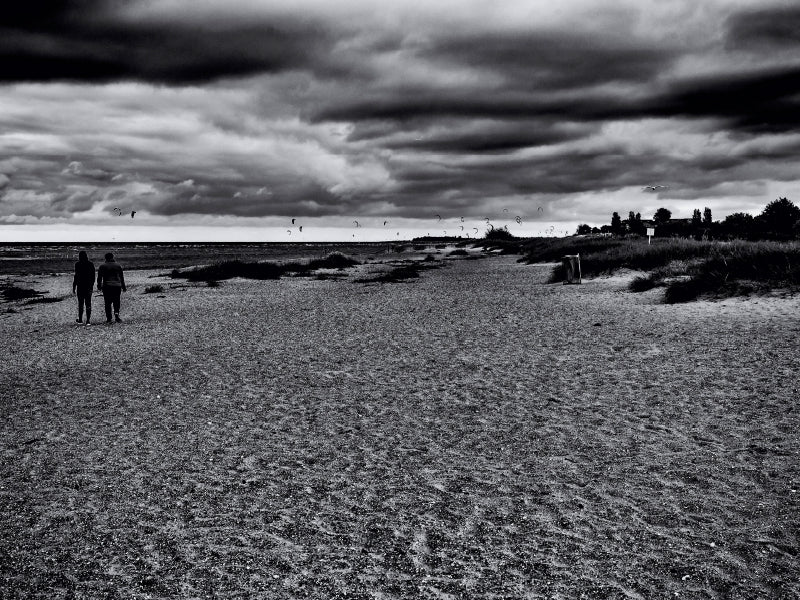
(110, 280)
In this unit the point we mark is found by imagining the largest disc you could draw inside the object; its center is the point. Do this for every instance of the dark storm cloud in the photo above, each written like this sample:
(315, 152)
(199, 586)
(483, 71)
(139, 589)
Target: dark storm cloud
(87, 41)
(768, 100)
(211, 198)
(494, 137)
(547, 60)
(770, 28)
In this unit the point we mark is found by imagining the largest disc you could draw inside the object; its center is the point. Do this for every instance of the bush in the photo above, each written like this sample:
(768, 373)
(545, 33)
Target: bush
(13, 293)
(154, 289)
(499, 235)
(230, 269)
(262, 270)
(644, 283)
(213, 283)
(458, 252)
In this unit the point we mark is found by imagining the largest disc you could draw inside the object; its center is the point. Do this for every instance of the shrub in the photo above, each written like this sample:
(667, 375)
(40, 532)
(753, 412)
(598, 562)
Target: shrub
(262, 270)
(154, 289)
(458, 252)
(499, 235)
(212, 283)
(644, 283)
(334, 260)
(12, 293)
(230, 269)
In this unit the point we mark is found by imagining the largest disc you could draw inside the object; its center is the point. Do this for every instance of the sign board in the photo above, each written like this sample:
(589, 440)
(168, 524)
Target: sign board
(651, 231)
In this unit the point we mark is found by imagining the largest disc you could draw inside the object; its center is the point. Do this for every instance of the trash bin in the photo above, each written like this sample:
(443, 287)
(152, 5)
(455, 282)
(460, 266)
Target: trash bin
(572, 268)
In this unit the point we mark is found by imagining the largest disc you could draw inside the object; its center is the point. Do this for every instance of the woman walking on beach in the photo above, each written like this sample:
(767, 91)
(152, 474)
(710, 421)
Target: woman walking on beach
(83, 285)
(111, 281)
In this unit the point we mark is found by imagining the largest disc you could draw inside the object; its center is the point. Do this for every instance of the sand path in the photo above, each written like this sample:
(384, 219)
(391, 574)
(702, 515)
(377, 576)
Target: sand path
(474, 433)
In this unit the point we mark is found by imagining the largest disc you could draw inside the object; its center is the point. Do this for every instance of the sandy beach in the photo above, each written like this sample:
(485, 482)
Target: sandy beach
(474, 433)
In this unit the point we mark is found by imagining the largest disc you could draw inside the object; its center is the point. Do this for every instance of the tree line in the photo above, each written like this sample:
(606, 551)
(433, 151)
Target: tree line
(780, 220)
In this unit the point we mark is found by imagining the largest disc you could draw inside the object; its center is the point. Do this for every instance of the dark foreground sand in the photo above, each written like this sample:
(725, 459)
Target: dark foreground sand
(475, 433)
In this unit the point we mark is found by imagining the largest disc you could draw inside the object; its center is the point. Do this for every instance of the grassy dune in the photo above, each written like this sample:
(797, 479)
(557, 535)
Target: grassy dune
(687, 269)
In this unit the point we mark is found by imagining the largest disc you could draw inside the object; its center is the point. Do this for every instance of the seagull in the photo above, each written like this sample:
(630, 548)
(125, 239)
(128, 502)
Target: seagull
(653, 188)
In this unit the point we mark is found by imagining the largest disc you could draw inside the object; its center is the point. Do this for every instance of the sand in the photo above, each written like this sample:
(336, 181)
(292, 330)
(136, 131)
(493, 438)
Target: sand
(475, 433)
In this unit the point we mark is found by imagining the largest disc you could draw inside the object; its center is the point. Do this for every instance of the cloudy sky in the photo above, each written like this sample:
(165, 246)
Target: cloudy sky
(225, 120)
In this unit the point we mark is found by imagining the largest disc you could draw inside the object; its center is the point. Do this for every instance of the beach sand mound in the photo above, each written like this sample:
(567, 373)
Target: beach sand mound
(472, 433)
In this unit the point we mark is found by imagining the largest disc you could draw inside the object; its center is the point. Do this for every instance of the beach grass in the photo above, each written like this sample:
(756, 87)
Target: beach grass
(262, 270)
(687, 269)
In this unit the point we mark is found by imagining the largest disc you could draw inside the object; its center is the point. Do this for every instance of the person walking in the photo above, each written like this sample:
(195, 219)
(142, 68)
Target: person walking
(83, 285)
(111, 281)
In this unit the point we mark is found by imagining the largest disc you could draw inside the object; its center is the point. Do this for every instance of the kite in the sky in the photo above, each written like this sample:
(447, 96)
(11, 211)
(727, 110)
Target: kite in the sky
(133, 212)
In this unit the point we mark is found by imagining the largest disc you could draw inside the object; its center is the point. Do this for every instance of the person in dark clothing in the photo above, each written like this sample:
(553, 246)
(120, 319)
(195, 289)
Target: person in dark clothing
(111, 281)
(83, 285)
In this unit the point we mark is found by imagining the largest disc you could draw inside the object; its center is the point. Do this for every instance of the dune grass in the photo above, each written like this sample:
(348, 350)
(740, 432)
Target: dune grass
(262, 270)
(404, 272)
(13, 293)
(687, 269)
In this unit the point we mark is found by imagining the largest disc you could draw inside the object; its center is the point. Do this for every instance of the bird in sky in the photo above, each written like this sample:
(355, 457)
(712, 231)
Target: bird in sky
(653, 188)
(133, 212)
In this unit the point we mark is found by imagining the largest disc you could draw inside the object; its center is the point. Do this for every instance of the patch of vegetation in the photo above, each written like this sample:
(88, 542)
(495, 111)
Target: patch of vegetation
(644, 283)
(13, 293)
(401, 273)
(501, 235)
(262, 270)
(458, 252)
(687, 268)
(212, 283)
(154, 289)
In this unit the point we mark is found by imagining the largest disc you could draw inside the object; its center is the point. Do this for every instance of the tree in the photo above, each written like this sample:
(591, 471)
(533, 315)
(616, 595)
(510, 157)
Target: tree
(616, 223)
(707, 217)
(778, 218)
(738, 225)
(662, 216)
(696, 222)
(635, 224)
(583, 229)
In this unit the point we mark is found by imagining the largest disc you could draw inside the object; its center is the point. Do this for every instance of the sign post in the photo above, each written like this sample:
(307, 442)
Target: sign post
(651, 231)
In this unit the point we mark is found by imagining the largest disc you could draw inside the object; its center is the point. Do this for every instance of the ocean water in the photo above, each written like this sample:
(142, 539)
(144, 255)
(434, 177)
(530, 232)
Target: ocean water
(21, 259)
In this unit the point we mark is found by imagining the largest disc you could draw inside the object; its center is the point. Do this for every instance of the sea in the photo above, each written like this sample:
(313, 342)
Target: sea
(48, 258)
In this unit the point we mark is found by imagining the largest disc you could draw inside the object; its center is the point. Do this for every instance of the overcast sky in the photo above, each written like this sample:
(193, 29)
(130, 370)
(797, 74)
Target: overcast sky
(227, 119)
